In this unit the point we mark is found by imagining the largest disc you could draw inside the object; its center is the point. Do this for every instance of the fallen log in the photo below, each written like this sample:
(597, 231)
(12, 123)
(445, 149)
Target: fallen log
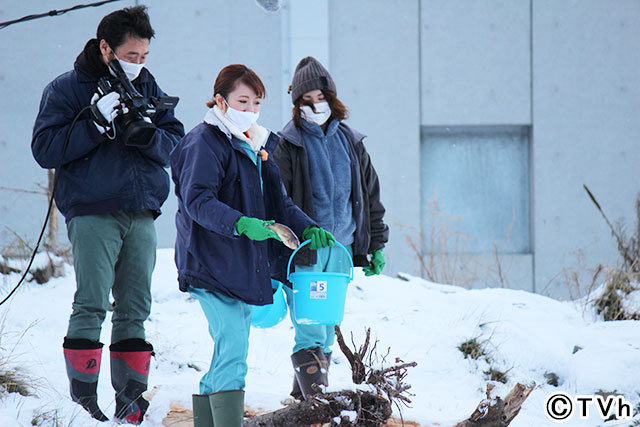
(345, 408)
(495, 412)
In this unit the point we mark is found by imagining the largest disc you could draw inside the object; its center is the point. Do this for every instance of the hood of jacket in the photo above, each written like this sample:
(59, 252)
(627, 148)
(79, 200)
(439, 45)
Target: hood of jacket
(90, 61)
(259, 135)
(293, 133)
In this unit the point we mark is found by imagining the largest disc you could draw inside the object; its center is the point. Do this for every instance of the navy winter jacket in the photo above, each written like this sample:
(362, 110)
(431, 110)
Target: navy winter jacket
(216, 183)
(98, 175)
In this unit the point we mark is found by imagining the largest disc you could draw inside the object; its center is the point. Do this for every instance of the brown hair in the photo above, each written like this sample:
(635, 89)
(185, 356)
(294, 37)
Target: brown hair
(338, 110)
(230, 76)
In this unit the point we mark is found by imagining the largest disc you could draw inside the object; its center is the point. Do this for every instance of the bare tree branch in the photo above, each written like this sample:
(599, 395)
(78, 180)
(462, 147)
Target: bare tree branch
(622, 248)
(22, 190)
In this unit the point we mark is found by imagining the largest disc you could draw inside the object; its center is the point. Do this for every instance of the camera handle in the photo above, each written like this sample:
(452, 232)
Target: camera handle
(121, 76)
(104, 87)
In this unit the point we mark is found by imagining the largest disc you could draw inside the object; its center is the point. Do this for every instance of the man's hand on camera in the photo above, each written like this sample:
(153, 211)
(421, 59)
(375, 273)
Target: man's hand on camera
(104, 109)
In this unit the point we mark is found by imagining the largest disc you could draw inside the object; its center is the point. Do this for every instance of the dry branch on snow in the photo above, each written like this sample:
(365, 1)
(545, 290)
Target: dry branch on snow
(348, 407)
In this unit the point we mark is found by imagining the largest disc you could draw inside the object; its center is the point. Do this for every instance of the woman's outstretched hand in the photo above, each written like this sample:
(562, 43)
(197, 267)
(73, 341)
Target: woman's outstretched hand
(255, 229)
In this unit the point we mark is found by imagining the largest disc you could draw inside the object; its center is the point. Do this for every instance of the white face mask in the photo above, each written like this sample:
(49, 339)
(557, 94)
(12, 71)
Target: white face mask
(130, 69)
(243, 120)
(322, 114)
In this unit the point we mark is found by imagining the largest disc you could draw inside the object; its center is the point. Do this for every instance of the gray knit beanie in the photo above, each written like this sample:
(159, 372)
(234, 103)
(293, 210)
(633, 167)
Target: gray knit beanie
(310, 75)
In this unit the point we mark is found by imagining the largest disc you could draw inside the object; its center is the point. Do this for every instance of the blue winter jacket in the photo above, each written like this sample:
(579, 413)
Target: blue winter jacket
(216, 183)
(98, 175)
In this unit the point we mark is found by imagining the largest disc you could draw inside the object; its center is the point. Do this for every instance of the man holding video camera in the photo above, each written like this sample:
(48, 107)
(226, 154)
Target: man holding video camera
(107, 129)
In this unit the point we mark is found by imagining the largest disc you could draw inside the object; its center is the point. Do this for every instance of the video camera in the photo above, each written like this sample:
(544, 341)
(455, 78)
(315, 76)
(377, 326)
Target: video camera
(138, 132)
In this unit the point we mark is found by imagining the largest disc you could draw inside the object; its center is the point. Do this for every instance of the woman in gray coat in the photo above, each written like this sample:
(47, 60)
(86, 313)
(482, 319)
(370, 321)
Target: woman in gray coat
(327, 172)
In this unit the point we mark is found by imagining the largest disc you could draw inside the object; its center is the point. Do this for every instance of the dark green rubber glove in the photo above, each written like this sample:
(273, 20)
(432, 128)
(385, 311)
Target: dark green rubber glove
(377, 264)
(320, 238)
(255, 229)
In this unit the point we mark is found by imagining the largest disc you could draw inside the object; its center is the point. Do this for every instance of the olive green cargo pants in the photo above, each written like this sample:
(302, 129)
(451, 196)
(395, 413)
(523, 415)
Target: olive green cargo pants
(114, 252)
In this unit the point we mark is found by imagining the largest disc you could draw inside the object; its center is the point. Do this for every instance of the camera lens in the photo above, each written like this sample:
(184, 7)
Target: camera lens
(137, 131)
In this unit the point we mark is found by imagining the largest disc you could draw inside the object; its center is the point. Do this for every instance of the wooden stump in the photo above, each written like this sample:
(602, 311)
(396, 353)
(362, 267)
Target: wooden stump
(497, 412)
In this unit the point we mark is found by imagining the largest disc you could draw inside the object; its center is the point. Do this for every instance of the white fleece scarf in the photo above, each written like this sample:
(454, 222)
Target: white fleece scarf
(258, 133)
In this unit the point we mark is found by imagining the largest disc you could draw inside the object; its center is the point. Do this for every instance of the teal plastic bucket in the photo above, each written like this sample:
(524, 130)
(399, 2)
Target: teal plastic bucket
(319, 296)
(266, 316)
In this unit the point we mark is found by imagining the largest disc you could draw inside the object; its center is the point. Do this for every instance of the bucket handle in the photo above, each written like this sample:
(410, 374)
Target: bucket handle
(309, 241)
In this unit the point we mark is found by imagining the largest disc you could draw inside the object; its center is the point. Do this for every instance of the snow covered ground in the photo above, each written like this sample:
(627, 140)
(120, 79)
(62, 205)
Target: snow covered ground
(525, 335)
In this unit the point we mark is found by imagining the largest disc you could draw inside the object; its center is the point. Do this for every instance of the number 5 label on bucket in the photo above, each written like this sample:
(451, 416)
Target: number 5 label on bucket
(318, 289)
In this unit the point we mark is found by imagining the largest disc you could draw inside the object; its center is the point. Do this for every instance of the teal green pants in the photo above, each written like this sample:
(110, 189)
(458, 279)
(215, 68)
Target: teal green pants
(229, 326)
(332, 259)
(115, 253)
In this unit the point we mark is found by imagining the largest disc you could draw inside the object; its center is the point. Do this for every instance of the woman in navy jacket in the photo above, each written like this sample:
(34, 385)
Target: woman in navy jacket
(228, 190)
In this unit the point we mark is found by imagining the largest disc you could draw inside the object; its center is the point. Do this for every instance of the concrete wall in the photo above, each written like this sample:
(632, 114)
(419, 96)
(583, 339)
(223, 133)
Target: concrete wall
(586, 128)
(476, 73)
(475, 61)
(569, 70)
(375, 64)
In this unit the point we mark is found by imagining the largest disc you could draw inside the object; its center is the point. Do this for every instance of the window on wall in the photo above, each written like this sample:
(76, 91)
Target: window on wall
(475, 189)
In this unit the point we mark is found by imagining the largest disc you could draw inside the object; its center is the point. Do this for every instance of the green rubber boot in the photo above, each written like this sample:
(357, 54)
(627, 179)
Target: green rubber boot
(227, 408)
(202, 416)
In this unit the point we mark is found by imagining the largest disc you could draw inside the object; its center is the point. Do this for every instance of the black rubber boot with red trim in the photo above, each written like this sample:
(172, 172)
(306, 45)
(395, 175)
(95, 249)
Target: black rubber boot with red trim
(82, 358)
(130, 360)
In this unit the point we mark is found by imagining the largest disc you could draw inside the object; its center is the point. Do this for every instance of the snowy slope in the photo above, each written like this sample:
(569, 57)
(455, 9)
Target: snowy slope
(524, 334)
